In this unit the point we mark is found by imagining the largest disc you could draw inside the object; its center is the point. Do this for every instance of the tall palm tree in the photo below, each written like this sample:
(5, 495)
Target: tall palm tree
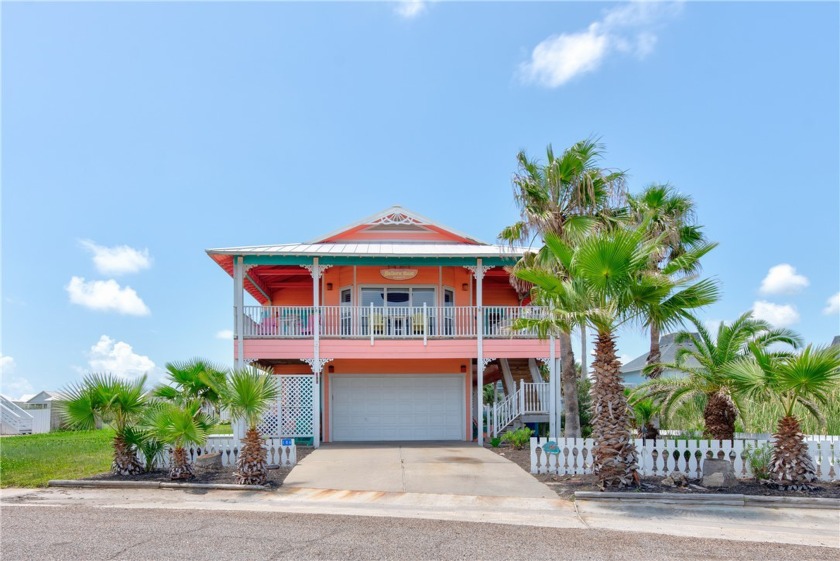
(806, 379)
(708, 362)
(108, 399)
(608, 283)
(248, 394)
(670, 218)
(179, 424)
(194, 379)
(566, 196)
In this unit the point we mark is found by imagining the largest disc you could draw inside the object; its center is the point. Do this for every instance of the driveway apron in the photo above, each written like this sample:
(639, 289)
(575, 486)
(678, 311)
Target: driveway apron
(453, 468)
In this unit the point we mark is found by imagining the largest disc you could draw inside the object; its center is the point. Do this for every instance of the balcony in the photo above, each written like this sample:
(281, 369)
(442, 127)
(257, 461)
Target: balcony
(391, 322)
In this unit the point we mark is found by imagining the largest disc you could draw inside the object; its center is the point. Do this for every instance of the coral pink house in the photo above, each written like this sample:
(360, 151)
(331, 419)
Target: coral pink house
(386, 330)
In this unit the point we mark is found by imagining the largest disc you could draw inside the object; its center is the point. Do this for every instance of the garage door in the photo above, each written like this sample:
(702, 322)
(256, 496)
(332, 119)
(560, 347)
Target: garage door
(397, 407)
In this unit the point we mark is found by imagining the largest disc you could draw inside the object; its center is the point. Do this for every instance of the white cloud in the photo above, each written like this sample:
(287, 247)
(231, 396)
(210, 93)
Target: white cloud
(7, 364)
(12, 386)
(629, 29)
(225, 334)
(409, 9)
(783, 279)
(107, 296)
(117, 260)
(117, 357)
(712, 325)
(778, 315)
(832, 305)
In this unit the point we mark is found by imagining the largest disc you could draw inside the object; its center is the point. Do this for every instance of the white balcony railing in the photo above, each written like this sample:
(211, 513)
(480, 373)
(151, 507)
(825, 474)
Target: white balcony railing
(385, 322)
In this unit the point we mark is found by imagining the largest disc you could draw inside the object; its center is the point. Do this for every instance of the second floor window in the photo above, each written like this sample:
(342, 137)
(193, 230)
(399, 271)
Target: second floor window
(398, 297)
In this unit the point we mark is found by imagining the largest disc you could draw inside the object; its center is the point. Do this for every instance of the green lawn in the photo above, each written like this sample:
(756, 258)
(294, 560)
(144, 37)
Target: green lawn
(32, 460)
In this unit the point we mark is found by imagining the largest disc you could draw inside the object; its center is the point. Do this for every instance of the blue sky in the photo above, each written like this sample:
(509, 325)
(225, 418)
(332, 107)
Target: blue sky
(134, 136)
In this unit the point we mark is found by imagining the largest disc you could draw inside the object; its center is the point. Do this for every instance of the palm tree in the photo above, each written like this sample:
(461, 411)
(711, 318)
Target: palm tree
(806, 379)
(608, 284)
(195, 379)
(179, 424)
(248, 394)
(105, 398)
(710, 368)
(565, 197)
(670, 218)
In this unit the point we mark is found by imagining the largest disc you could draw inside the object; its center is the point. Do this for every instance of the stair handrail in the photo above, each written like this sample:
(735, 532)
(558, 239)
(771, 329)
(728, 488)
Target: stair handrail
(14, 416)
(507, 410)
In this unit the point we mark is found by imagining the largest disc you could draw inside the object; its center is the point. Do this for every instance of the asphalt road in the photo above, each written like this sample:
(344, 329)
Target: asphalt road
(90, 534)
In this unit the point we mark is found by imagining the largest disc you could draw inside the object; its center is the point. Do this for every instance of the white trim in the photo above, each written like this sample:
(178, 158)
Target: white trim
(371, 249)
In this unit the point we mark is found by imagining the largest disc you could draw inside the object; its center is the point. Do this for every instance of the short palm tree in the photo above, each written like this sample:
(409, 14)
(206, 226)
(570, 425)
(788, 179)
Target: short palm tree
(608, 284)
(108, 399)
(194, 379)
(179, 424)
(806, 379)
(248, 394)
(709, 374)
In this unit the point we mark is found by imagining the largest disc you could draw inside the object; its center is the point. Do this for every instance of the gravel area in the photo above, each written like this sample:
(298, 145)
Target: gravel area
(566, 485)
(207, 475)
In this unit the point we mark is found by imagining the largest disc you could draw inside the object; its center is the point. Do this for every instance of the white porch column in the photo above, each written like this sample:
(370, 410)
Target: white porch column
(316, 363)
(554, 394)
(239, 309)
(478, 272)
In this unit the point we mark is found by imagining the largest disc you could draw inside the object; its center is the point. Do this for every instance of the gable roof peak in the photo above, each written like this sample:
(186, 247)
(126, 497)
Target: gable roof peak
(396, 215)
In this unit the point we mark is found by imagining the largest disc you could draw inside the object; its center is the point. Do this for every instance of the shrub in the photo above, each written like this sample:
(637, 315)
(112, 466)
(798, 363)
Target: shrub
(758, 458)
(518, 438)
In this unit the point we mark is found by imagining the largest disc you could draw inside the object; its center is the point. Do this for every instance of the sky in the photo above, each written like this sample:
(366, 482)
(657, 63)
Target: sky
(135, 136)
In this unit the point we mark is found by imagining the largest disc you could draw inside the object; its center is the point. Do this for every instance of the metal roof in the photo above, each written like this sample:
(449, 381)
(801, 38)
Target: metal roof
(374, 249)
(668, 349)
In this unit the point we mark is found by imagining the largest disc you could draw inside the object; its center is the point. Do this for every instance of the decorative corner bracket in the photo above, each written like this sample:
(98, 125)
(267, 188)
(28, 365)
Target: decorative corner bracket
(316, 365)
(316, 272)
(485, 361)
(477, 270)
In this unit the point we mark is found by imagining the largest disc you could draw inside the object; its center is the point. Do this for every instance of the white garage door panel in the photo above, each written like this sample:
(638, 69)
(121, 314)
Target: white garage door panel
(397, 407)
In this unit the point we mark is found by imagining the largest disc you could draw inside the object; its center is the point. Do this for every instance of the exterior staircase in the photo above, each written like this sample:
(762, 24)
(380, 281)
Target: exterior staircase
(526, 396)
(13, 419)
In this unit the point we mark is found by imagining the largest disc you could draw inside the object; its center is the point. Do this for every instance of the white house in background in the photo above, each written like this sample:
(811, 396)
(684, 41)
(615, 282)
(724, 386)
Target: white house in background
(632, 371)
(45, 408)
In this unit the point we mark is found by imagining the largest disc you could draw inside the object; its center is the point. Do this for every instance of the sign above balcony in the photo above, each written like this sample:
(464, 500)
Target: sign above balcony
(399, 273)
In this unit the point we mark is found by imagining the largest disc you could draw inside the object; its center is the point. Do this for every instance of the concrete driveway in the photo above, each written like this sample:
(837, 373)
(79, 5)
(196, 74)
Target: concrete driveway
(451, 468)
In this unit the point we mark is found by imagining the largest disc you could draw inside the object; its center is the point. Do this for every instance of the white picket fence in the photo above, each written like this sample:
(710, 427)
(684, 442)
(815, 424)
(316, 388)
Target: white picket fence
(228, 446)
(664, 456)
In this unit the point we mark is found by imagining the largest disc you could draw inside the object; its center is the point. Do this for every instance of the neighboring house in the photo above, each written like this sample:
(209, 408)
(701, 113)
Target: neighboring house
(632, 371)
(386, 330)
(46, 409)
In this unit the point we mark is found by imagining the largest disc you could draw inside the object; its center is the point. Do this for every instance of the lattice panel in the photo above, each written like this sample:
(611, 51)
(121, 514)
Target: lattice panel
(291, 415)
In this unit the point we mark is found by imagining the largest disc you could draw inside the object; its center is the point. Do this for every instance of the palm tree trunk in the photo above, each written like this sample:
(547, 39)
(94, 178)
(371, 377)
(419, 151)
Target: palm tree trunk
(568, 382)
(251, 465)
(125, 458)
(180, 468)
(655, 356)
(791, 468)
(719, 416)
(614, 453)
